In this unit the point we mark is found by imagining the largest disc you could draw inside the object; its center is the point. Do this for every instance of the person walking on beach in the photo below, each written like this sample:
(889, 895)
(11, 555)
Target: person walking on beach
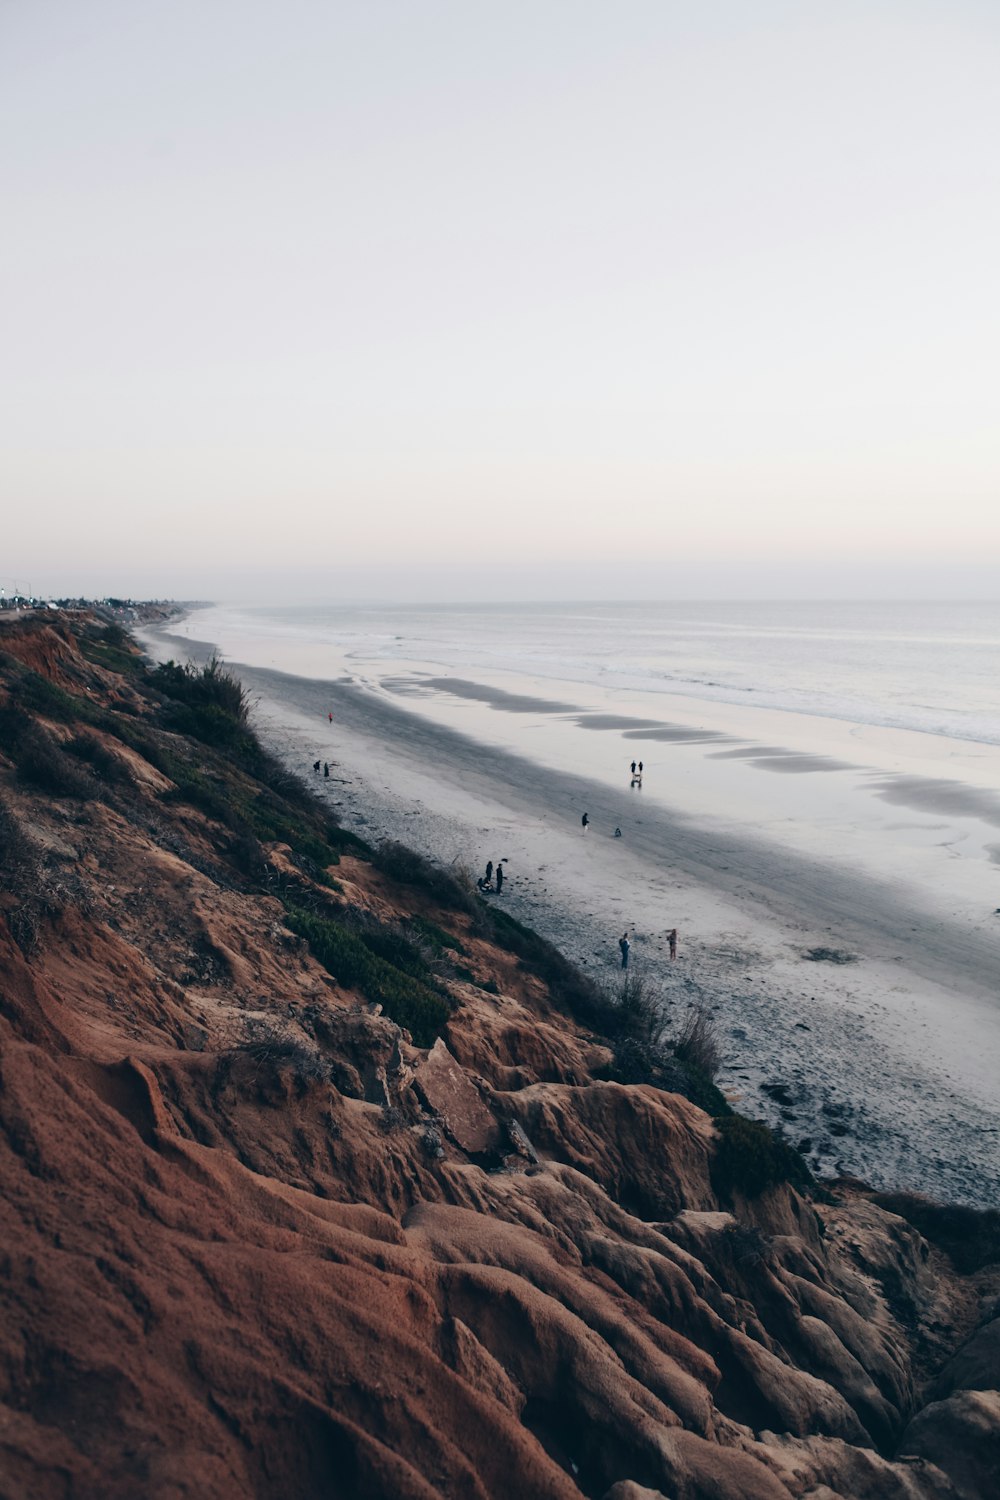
(489, 871)
(326, 769)
(633, 768)
(585, 822)
(640, 768)
(624, 945)
(672, 940)
(330, 715)
(499, 876)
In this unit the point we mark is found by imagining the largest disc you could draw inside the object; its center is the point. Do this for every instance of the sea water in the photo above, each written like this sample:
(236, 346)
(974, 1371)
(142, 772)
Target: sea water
(932, 667)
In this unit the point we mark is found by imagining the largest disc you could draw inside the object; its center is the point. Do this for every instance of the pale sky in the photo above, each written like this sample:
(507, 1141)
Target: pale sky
(548, 299)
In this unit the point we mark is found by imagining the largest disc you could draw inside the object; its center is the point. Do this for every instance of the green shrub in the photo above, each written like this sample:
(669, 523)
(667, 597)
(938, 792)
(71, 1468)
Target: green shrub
(396, 950)
(635, 1010)
(701, 1090)
(750, 1158)
(637, 1060)
(206, 722)
(567, 986)
(434, 935)
(40, 696)
(410, 868)
(115, 635)
(112, 657)
(247, 856)
(209, 686)
(969, 1236)
(699, 1044)
(107, 766)
(346, 955)
(21, 875)
(43, 765)
(14, 725)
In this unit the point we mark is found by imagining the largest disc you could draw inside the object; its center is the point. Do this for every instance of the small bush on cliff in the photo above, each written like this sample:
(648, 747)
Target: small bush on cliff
(435, 937)
(42, 764)
(269, 1055)
(38, 695)
(21, 876)
(410, 868)
(633, 1010)
(209, 686)
(969, 1236)
(346, 955)
(113, 654)
(107, 766)
(209, 703)
(698, 1045)
(750, 1158)
(569, 988)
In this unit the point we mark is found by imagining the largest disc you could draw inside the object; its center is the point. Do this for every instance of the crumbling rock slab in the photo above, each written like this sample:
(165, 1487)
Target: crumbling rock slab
(450, 1093)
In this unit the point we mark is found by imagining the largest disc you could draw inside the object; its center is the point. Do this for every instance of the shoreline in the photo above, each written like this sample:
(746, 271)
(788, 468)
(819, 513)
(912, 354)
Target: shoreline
(848, 1052)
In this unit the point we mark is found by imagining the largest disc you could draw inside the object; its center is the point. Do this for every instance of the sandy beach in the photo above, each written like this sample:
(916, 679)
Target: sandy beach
(747, 835)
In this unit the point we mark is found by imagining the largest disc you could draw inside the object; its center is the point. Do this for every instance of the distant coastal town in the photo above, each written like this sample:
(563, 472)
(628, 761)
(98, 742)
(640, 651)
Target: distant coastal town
(124, 611)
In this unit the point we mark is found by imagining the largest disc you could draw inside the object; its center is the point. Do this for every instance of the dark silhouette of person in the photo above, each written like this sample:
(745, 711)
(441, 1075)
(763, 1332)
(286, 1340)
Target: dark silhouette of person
(326, 769)
(585, 822)
(499, 877)
(640, 768)
(315, 765)
(618, 833)
(624, 945)
(489, 871)
(330, 716)
(633, 768)
(672, 940)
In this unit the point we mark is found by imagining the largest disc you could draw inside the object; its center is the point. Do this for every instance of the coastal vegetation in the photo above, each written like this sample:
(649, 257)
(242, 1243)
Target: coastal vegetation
(360, 960)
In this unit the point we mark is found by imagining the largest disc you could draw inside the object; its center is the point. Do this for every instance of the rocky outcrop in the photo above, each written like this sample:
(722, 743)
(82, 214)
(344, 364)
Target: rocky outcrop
(255, 1241)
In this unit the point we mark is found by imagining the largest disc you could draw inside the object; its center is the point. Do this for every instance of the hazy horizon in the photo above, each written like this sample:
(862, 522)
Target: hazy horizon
(548, 301)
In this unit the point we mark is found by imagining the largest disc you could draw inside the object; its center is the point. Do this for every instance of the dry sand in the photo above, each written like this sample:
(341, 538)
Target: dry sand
(883, 1066)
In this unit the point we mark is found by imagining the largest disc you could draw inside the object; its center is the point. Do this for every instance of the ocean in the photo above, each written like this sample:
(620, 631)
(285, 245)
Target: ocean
(928, 667)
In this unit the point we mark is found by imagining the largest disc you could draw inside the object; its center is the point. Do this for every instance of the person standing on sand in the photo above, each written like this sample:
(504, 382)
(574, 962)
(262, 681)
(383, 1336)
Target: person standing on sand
(489, 871)
(330, 716)
(315, 765)
(624, 945)
(633, 768)
(326, 769)
(499, 876)
(672, 940)
(640, 768)
(585, 822)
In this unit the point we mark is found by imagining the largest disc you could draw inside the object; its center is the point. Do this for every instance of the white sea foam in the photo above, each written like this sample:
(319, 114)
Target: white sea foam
(931, 667)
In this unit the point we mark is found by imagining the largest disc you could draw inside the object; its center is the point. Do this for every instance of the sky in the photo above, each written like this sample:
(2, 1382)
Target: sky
(421, 300)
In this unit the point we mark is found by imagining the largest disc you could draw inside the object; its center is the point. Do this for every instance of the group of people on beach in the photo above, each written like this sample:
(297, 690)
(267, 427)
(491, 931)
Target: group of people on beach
(485, 882)
(493, 879)
(625, 946)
